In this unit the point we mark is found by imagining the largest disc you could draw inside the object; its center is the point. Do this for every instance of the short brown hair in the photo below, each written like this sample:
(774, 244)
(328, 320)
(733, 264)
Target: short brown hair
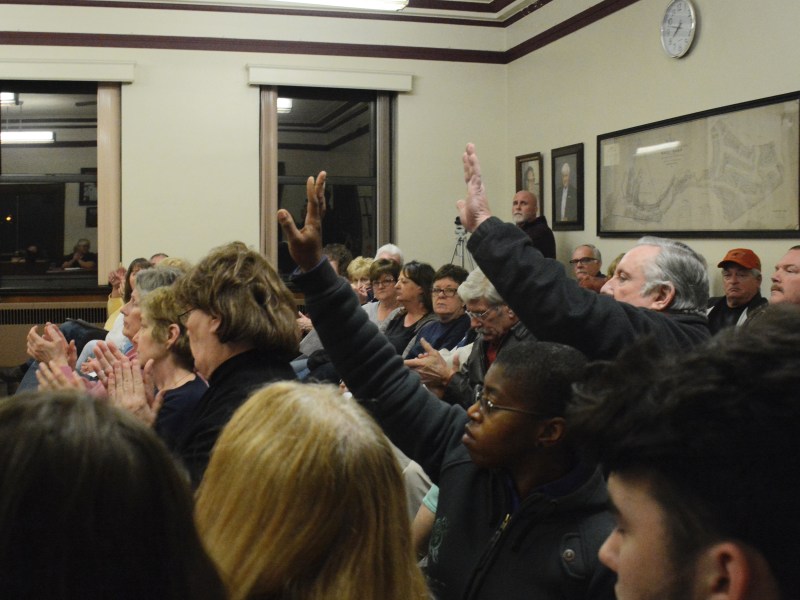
(239, 287)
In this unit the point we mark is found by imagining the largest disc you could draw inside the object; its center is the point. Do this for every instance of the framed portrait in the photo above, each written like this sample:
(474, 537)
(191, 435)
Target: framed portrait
(727, 172)
(528, 168)
(567, 177)
(87, 193)
(91, 216)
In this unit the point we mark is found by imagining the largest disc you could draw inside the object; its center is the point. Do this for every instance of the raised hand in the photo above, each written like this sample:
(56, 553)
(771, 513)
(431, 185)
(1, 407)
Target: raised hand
(126, 390)
(305, 245)
(52, 346)
(474, 209)
(53, 377)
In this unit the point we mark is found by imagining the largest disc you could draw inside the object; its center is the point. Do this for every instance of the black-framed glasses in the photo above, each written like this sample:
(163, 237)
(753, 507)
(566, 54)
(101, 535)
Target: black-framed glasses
(482, 316)
(446, 292)
(584, 261)
(383, 282)
(184, 316)
(487, 406)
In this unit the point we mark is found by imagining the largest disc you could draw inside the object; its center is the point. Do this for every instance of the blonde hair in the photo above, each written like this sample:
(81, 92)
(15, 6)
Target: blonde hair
(359, 268)
(303, 498)
(241, 288)
(161, 309)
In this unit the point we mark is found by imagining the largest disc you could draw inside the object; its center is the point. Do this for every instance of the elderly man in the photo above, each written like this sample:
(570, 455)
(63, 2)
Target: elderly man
(703, 465)
(660, 287)
(566, 197)
(519, 515)
(586, 262)
(786, 278)
(525, 214)
(741, 281)
(81, 257)
(497, 327)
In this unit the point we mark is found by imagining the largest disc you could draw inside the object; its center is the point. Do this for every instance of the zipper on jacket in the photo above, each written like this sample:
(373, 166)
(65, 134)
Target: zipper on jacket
(478, 572)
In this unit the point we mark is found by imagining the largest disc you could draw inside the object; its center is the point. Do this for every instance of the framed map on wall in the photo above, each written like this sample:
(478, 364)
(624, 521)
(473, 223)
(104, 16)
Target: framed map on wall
(728, 172)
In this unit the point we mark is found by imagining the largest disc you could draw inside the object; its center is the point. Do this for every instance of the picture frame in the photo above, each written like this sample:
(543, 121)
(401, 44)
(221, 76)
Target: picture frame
(87, 192)
(91, 216)
(528, 168)
(567, 177)
(732, 171)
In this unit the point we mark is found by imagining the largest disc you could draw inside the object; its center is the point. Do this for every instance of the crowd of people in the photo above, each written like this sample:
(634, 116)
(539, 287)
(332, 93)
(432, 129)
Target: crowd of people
(582, 436)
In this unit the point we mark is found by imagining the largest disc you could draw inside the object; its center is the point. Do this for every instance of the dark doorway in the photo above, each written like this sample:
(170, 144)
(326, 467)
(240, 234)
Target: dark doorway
(32, 215)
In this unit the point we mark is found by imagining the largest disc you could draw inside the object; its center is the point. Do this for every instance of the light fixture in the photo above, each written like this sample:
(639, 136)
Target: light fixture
(9, 98)
(360, 4)
(657, 148)
(20, 136)
(284, 105)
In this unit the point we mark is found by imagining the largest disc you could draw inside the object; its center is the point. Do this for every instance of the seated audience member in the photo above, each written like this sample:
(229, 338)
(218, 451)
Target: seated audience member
(158, 257)
(57, 371)
(741, 281)
(413, 289)
(81, 257)
(497, 328)
(326, 520)
(390, 252)
(660, 286)
(518, 516)
(162, 348)
(786, 278)
(452, 322)
(586, 263)
(703, 454)
(358, 274)
(93, 506)
(339, 257)
(525, 214)
(383, 275)
(239, 317)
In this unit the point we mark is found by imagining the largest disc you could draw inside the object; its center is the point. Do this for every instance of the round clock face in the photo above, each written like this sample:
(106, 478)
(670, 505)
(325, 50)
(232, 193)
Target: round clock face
(678, 27)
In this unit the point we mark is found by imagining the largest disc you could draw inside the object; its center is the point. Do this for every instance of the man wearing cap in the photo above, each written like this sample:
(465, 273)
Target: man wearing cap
(741, 280)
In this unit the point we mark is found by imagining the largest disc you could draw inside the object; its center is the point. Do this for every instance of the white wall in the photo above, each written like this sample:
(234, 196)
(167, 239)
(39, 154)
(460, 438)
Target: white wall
(190, 122)
(613, 75)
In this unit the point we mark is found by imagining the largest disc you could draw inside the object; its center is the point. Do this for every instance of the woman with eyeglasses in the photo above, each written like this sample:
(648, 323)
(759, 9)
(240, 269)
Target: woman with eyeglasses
(413, 289)
(240, 319)
(383, 274)
(452, 322)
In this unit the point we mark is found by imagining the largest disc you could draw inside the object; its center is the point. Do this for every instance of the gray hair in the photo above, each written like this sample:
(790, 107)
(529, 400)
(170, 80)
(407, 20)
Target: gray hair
(148, 280)
(390, 249)
(477, 286)
(565, 169)
(595, 251)
(681, 268)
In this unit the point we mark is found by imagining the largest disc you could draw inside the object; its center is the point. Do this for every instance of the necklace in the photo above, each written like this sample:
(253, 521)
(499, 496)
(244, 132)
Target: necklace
(179, 382)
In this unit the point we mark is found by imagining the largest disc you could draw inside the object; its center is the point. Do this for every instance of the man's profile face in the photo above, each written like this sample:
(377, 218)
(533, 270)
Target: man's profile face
(629, 279)
(786, 279)
(530, 181)
(740, 284)
(638, 548)
(501, 438)
(564, 178)
(495, 323)
(587, 265)
(523, 207)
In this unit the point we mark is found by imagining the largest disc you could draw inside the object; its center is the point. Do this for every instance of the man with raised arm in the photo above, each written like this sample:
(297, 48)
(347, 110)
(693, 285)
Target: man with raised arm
(519, 516)
(660, 287)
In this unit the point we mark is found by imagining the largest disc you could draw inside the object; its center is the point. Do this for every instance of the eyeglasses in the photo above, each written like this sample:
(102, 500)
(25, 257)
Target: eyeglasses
(383, 282)
(184, 316)
(481, 316)
(446, 292)
(584, 261)
(487, 406)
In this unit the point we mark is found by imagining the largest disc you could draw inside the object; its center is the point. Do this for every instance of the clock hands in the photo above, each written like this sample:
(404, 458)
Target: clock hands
(674, 33)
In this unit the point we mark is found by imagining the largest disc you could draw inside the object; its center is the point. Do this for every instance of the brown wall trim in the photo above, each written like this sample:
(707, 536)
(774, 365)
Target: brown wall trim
(104, 40)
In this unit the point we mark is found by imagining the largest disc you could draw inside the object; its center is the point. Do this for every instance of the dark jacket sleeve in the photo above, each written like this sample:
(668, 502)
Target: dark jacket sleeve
(422, 426)
(555, 308)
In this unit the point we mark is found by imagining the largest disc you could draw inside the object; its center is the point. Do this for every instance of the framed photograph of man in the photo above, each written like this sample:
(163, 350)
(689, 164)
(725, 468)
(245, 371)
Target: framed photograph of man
(567, 177)
(529, 175)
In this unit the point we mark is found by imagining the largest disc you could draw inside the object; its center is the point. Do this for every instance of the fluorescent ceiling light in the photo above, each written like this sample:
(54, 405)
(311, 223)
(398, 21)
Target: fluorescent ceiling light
(284, 105)
(360, 4)
(18, 136)
(8, 98)
(657, 148)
